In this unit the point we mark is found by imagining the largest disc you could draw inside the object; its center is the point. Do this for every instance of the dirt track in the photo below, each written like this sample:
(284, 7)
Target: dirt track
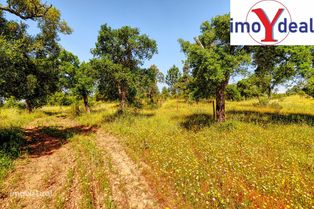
(43, 173)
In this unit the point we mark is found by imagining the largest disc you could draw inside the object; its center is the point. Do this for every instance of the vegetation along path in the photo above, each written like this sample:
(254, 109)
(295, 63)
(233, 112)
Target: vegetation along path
(73, 166)
(130, 190)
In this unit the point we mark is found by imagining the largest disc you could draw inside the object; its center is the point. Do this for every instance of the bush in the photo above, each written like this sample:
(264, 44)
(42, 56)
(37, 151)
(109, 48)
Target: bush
(233, 93)
(75, 110)
(61, 99)
(12, 102)
(11, 141)
(262, 102)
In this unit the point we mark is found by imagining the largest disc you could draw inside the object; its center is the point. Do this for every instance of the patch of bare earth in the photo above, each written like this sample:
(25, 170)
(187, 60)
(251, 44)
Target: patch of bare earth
(40, 175)
(48, 175)
(129, 187)
(36, 180)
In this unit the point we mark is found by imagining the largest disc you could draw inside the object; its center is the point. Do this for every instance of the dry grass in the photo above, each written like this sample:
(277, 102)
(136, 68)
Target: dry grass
(261, 158)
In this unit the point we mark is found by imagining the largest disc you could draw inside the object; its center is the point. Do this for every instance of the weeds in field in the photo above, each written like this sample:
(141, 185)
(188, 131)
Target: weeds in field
(266, 164)
(12, 136)
(93, 173)
(262, 157)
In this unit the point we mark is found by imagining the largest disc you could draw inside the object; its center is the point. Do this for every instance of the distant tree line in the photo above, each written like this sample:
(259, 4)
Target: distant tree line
(37, 70)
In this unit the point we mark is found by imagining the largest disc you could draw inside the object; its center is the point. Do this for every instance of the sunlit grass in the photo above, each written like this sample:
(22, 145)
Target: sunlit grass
(262, 157)
(291, 104)
(89, 170)
(17, 118)
(11, 136)
(237, 164)
(92, 170)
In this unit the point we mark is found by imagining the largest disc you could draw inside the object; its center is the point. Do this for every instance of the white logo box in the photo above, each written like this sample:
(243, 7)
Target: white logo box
(297, 15)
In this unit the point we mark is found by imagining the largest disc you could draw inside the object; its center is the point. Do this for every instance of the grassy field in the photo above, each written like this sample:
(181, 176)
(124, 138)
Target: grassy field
(79, 171)
(11, 135)
(262, 157)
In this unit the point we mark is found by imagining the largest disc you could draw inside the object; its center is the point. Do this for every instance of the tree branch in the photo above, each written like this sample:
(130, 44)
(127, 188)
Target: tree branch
(32, 16)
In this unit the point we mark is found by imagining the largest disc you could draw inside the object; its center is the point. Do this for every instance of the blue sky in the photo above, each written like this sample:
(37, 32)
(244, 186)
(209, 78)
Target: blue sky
(163, 20)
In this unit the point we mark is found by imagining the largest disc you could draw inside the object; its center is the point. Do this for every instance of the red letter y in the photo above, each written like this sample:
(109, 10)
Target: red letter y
(267, 24)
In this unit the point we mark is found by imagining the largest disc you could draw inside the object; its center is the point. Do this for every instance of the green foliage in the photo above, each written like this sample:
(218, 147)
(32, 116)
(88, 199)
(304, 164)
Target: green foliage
(29, 78)
(47, 16)
(61, 99)
(76, 78)
(211, 57)
(172, 79)
(184, 83)
(249, 87)
(119, 54)
(213, 61)
(108, 75)
(232, 93)
(278, 64)
(165, 93)
(11, 140)
(84, 80)
(11, 102)
(147, 84)
(28, 62)
(309, 87)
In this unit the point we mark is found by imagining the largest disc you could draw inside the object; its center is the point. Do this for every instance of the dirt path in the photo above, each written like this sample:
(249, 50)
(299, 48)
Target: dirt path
(37, 179)
(49, 175)
(40, 175)
(129, 187)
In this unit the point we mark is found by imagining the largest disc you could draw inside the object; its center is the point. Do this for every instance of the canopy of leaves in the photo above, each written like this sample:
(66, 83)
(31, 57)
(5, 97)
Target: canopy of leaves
(47, 16)
(125, 46)
(76, 77)
(277, 64)
(212, 60)
(172, 78)
(29, 66)
(148, 83)
(249, 87)
(119, 54)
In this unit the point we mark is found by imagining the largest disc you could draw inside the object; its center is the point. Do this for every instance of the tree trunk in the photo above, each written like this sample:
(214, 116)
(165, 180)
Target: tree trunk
(29, 106)
(220, 103)
(151, 97)
(122, 95)
(269, 90)
(214, 110)
(87, 108)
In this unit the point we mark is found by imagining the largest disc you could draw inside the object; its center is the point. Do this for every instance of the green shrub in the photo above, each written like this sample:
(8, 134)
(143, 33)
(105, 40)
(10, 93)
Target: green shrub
(12, 102)
(11, 141)
(61, 99)
(233, 93)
